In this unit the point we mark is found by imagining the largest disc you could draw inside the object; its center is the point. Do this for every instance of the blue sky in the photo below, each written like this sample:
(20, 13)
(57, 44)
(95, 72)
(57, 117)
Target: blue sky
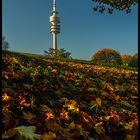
(25, 24)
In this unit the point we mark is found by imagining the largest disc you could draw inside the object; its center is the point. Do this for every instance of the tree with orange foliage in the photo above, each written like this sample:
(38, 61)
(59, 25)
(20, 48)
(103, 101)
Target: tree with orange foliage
(107, 55)
(126, 58)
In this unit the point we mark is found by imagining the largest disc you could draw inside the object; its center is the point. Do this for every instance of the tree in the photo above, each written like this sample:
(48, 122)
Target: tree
(126, 58)
(134, 61)
(5, 44)
(110, 5)
(108, 56)
(60, 53)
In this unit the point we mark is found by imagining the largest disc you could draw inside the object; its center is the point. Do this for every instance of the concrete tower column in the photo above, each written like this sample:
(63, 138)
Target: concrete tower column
(54, 41)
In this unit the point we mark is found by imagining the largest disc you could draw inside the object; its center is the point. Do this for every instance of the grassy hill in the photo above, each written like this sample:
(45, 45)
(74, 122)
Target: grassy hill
(52, 99)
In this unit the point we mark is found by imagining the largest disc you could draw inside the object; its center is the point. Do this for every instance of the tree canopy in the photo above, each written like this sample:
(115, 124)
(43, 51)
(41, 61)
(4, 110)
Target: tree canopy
(126, 58)
(60, 53)
(110, 5)
(108, 56)
(5, 44)
(134, 61)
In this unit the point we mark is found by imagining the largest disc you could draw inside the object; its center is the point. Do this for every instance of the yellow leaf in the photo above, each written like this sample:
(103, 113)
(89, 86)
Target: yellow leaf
(10, 133)
(98, 101)
(28, 116)
(99, 130)
(50, 136)
(107, 117)
(5, 97)
(67, 134)
(72, 107)
(128, 126)
(129, 137)
(72, 125)
(98, 124)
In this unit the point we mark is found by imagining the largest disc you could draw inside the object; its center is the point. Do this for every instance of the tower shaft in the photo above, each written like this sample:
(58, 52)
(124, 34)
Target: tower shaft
(54, 41)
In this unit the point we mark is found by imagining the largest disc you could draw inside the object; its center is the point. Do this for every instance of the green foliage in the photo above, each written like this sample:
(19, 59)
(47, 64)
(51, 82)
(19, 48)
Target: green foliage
(5, 44)
(134, 61)
(22, 133)
(108, 56)
(108, 6)
(59, 53)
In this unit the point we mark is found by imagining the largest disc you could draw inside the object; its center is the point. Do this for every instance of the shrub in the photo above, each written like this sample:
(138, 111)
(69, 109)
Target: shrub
(59, 53)
(108, 56)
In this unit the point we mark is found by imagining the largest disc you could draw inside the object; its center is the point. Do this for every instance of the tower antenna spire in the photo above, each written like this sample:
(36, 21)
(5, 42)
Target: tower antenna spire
(54, 5)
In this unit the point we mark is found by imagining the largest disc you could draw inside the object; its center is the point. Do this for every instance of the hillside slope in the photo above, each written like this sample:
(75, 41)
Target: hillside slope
(60, 100)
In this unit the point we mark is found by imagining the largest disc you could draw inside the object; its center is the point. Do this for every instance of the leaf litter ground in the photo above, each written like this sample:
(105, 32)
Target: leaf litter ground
(50, 99)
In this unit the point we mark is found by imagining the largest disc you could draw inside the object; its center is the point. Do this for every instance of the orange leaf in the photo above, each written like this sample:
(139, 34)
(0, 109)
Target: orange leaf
(53, 125)
(98, 101)
(5, 97)
(64, 115)
(50, 136)
(129, 137)
(49, 115)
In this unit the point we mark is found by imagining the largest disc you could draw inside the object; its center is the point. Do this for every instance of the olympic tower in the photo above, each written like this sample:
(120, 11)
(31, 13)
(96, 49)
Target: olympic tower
(54, 25)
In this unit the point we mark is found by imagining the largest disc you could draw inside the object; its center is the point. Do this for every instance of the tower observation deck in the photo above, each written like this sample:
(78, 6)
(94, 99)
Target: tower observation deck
(54, 25)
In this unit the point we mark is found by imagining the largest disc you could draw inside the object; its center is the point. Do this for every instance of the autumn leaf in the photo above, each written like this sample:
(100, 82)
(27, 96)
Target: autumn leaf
(99, 130)
(45, 108)
(5, 97)
(64, 115)
(10, 133)
(86, 118)
(66, 99)
(93, 104)
(72, 125)
(8, 120)
(98, 101)
(53, 125)
(98, 124)
(28, 132)
(128, 126)
(23, 101)
(48, 136)
(129, 137)
(127, 104)
(28, 116)
(54, 70)
(49, 115)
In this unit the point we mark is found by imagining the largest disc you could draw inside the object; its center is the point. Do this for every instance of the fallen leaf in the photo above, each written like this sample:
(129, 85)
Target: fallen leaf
(28, 116)
(28, 132)
(50, 136)
(98, 101)
(99, 130)
(129, 137)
